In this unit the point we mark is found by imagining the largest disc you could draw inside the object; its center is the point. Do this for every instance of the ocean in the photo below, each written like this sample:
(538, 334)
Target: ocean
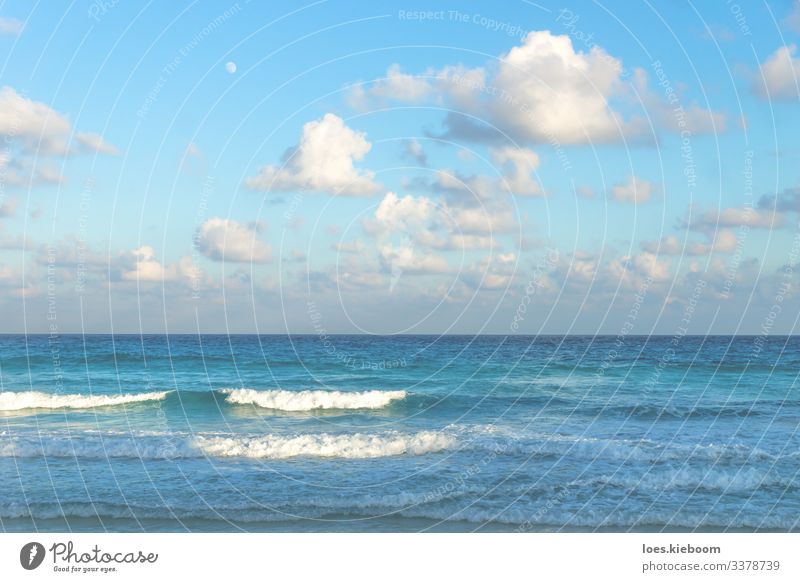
(399, 433)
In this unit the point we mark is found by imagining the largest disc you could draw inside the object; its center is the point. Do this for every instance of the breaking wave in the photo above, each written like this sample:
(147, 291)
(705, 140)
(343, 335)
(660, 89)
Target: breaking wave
(10, 401)
(165, 446)
(305, 400)
(345, 446)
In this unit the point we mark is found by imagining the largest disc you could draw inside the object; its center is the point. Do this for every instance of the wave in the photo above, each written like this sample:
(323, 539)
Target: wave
(176, 446)
(11, 401)
(533, 519)
(346, 446)
(391, 507)
(106, 446)
(305, 400)
(676, 412)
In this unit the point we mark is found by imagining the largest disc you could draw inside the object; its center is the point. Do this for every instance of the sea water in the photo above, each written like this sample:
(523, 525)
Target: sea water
(400, 433)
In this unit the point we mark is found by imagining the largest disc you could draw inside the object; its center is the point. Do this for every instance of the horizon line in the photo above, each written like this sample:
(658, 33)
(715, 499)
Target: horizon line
(355, 334)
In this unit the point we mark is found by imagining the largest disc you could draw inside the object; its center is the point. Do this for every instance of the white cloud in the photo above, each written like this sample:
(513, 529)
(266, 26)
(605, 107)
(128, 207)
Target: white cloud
(442, 226)
(145, 266)
(634, 270)
(518, 166)
(455, 241)
(32, 131)
(561, 92)
(406, 259)
(634, 191)
(142, 265)
(36, 125)
(582, 267)
(396, 213)
(736, 216)
(649, 265)
(468, 187)
(542, 91)
(321, 162)
(722, 241)
(777, 78)
(222, 239)
(25, 171)
(10, 26)
(395, 86)
(491, 272)
(92, 142)
(479, 219)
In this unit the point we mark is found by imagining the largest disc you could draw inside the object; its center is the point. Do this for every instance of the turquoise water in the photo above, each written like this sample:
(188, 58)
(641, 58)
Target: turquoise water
(357, 433)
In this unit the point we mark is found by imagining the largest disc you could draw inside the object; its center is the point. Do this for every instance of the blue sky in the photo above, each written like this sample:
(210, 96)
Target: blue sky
(422, 168)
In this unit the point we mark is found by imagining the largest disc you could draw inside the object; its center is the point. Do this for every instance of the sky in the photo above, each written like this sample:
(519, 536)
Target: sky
(390, 167)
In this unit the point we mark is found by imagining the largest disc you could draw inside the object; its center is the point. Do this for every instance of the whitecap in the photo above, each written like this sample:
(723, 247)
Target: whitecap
(10, 401)
(291, 401)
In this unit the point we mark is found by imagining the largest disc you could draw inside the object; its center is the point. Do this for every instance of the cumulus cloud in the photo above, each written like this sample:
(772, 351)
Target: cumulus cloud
(475, 203)
(323, 161)
(518, 166)
(491, 272)
(633, 270)
(736, 216)
(634, 191)
(439, 225)
(222, 239)
(145, 266)
(36, 125)
(541, 91)
(395, 86)
(462, 217)
(141, 265)
(722, 241)
(562, 92)
(777, 78)
(395, 213)
(405, 258)
(24, 171)
(33, 131)
(479, 219)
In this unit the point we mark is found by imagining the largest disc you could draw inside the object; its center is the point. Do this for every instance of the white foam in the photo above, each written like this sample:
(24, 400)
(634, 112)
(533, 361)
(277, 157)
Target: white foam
(182, 445)
(289, 401)
(32, 400)
(345, 446)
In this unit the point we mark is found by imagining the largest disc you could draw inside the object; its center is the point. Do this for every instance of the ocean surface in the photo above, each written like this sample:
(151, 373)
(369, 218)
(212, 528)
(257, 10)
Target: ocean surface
(404, 433)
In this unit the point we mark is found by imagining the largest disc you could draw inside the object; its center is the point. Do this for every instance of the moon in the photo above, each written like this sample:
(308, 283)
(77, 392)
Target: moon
(230, 66)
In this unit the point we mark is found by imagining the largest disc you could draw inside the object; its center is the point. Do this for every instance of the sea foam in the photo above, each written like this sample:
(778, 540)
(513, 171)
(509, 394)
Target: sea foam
(305, 400)
(345, 446)
(32, 400)
(182, 446)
